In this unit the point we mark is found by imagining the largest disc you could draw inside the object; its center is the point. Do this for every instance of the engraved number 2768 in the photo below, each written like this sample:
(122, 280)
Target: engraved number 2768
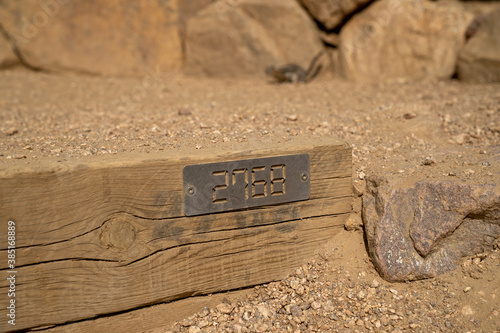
(238, 181)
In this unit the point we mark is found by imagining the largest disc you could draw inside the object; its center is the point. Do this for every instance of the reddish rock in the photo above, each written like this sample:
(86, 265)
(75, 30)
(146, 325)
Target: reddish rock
(112, 37)
(424, 230)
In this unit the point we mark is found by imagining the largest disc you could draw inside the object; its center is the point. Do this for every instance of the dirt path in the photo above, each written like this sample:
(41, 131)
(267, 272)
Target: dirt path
(405, 130)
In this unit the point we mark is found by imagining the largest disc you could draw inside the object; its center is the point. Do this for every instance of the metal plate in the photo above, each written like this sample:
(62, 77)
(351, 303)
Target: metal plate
(225, 186)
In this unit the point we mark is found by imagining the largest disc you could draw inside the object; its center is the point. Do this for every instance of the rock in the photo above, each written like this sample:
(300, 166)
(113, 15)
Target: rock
(358, 187)
(230, 39)
(225, 308)
(357, 205)
(188, 9)
(294, 283)
(11, 131)
(331, 13)
(264, 310)
(194, 329)
(261, 327)
(187, 322)
(409, 39)
(426, 229)
(105, 37)
(467, 310)
(353, 223)
(7, 56)
(295, 311)
(332, 39)
(479, 59)
(333, 55)
(315, 305)
(480, 8)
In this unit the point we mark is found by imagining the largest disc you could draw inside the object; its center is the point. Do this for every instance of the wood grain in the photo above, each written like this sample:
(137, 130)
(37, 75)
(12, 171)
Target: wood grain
(106, 236)
(150, 319)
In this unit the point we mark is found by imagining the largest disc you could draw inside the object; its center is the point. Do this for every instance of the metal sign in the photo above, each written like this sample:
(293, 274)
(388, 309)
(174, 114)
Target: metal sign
(225, 186)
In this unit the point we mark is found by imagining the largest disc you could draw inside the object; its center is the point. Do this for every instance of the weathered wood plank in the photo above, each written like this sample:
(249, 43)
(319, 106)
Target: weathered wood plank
(151, 319)
(110, 235)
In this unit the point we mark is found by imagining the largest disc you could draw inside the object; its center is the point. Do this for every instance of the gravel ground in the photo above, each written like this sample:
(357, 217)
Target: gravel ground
(329, 294)
(401, 129)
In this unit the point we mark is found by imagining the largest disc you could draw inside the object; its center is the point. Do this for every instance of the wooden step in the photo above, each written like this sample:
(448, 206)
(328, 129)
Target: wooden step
(103, 236)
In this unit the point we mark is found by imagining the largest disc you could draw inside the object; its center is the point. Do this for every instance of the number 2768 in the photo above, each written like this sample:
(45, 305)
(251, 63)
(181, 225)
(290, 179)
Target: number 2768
(257, 182)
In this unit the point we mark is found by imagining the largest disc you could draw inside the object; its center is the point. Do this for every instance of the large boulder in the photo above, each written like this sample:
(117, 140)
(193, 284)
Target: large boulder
(394, 39)
(424, 230)
(7, 55)
(112, 37)
(481, 7)
(188, 9)
(228, 39)
(331, 13)
(479, 59)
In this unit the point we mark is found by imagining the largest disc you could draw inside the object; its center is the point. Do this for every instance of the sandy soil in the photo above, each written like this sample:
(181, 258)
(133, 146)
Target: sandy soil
(403, 129)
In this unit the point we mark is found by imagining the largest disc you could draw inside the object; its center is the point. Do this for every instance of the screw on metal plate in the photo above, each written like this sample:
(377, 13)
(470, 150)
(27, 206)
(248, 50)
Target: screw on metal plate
(190, 190)
(304, 176)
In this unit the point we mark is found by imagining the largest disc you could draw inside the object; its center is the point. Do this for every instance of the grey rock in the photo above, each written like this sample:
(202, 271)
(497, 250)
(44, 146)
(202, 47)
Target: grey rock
(424, 230)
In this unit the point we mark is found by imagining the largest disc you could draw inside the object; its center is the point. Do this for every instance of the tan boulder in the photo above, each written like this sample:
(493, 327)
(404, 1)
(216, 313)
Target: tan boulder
(394, 39)
(481, 7)
(188, 9)
(112, 37)
(7, 55)
(331, 13)
(479, 59)
(229, 38)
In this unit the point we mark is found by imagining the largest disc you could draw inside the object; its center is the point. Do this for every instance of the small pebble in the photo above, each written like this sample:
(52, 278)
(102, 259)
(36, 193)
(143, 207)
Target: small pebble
(428, 161)
(187, 322)
(194, 329)
(410, 115)
(224, 308)
(315, 305)
(394, 291)
(184, 112)
(11, 131)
